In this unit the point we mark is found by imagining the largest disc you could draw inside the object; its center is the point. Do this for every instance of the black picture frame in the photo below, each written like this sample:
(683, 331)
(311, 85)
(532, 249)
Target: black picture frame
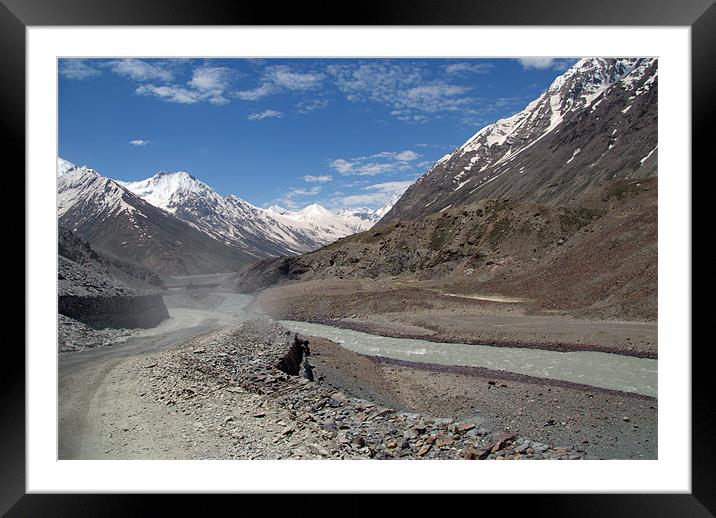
(699, 15)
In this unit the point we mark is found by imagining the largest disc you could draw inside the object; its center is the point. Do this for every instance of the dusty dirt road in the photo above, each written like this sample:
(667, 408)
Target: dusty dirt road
(84, 396)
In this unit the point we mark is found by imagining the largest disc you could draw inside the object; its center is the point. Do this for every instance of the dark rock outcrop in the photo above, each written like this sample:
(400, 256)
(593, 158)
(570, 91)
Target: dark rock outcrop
(290, 363)
(118, 312)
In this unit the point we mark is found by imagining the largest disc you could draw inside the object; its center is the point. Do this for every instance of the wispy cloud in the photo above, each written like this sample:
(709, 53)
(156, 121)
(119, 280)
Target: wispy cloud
(342, 166)
(139, 142)
(280, 78)
(257, 93)
(288, 199)
(77, 69)
(266, 114)
(305, 192)
(469, 68)
(310, 105)
(406, 87)
(378, 195)
(377, 163)
(406, 156)
(285, 77)
(390, 187)
(171, 94)
(374, 199)
(544, 63)
(207, 84)
(211, 83)
(317, 179)
(157, 78)
(141, 70)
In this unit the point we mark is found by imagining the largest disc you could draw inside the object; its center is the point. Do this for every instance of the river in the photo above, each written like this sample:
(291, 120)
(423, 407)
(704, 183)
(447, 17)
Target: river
(605, 370)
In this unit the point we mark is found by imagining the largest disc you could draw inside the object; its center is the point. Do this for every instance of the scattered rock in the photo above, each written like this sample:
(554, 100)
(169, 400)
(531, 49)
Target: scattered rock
(312, 419)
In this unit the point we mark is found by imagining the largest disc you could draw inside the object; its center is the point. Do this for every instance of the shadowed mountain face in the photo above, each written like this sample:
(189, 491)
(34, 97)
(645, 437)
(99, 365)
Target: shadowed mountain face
(121, 225)
(72, 247)
(596, 123)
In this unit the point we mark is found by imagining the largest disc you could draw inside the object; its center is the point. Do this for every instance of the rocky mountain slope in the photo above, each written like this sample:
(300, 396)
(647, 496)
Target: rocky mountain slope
(256, 231)
(595, 257)
(91, 298)
(72, 247)
(555, 206)
(121, 225)
(596, 123)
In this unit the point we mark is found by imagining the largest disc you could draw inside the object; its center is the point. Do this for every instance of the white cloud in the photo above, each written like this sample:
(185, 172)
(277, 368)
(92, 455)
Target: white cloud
(140, 70)
(266, 114)
(317, 179)
(211, 82)
(304, 192)
(139, 142)
(171, 94)
(207, 84)
(433, 98)
(466, 67)
(342, 166)
(406, 156)
(310, 105)
(77, 69)
(405, 86)
(377, 163)
(390, 187)
(288, 198)
(284, 77)
(257, 93)
(544, 63)
(379, 195)
(358, 200)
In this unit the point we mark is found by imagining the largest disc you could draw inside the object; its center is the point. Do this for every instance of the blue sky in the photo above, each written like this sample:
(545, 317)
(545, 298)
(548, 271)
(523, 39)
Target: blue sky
(341, 132)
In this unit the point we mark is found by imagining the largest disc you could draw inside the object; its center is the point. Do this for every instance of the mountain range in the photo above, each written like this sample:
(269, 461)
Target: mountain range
(595, 124)
(174, 224)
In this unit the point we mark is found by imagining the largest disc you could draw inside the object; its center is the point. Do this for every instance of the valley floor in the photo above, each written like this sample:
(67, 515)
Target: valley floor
(431, 311)
(204, 386)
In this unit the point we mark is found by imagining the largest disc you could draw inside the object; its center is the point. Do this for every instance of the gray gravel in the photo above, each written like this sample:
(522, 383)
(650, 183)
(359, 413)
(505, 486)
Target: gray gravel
(246, 408)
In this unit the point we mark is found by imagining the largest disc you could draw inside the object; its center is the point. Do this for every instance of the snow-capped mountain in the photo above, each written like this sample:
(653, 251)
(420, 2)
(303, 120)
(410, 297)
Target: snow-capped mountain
(233, 221)
(372, 216)
(120, 224)
(596, 122)
(63, 166)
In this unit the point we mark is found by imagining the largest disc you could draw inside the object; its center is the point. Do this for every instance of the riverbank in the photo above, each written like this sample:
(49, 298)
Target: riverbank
(603, 423)
(428, 311)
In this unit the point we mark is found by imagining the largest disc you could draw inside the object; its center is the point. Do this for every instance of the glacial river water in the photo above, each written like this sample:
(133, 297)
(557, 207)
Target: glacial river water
(612, 371)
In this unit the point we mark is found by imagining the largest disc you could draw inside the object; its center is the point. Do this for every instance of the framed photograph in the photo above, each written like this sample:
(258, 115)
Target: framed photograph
(292, 252)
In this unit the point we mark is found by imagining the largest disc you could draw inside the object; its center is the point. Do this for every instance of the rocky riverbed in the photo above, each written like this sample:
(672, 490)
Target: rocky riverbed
(226, 399)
